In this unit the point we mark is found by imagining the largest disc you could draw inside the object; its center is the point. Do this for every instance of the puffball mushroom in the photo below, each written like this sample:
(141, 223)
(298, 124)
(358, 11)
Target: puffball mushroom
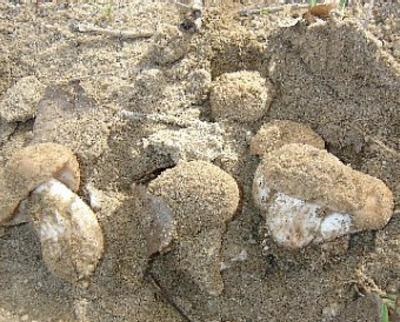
(47, 176)
(316, 197)
(192, 202)
(241, 96)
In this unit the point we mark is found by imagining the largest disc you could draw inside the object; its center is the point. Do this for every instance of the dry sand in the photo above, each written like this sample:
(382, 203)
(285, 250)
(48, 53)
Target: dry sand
(341, 78)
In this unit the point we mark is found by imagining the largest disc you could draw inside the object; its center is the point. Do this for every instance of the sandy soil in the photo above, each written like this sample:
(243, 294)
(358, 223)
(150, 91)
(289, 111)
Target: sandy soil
(340, 77)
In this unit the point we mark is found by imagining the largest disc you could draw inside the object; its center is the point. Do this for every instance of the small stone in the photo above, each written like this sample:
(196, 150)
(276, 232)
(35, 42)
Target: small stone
(170, 45)
(20, 102)
(201, 141)
(95, 197)
(331, 311)
(366, 308)
(243, 255)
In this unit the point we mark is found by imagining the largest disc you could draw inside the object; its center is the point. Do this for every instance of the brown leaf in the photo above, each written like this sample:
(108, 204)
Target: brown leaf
(322, 11)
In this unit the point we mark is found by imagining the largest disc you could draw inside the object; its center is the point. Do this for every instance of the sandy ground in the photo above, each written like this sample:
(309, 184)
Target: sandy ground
(341, 77)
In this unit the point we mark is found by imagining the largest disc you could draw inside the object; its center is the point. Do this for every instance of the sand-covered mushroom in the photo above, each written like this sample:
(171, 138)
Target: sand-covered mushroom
(32, 166)
(241, 96)
(192, 202)
(46, 176)
(276, 134)
(309, 195)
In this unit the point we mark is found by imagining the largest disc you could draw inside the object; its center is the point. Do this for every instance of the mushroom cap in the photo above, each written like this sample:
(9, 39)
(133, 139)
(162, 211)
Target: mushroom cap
(241, 96)
(32, 166)
(276, 134)
(199, 194)
(314, 175)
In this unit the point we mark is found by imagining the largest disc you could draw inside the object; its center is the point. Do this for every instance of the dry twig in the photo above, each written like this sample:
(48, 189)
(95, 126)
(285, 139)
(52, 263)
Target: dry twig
(273, 9)
(178, 120)
(121, 34)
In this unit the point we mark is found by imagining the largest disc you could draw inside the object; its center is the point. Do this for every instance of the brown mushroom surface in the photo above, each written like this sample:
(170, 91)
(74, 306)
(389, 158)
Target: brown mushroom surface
(32, 166)
(192, 203)
(314, 175)
(276, 134)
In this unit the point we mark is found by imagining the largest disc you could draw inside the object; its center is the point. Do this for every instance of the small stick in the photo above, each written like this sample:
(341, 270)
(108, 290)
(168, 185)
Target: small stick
(164, 294)
(160, 118)
(273, 9)
(121, 34)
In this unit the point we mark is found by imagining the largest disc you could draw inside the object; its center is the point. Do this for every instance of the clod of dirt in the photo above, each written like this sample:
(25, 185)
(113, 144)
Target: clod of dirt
(202, 199)
(6, 129)
(20, 101)
(276, 134)
(241, 96)
(234, 47)
(67, 115)
(334, 99)
(199, 84)
(70, 236)
(147, 90)
(366, 308)
(321, 196)
(32, 166)
(170, 45)
(200, 141)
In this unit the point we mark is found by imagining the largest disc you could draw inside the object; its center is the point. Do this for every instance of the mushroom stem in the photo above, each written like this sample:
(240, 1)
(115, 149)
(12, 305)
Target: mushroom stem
(70, 236)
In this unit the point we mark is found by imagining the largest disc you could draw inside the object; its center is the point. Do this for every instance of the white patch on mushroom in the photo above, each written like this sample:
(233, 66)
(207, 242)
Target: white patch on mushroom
(55, 189)
(335, 225)
(71, 238)
(292, 222)
(52, 228)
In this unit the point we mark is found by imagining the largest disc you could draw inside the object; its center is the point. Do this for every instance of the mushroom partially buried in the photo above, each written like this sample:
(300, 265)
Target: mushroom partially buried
(242, 97)
(45, 177)
(272, 136)
(192, 203)
(308, 195)
(277, 133)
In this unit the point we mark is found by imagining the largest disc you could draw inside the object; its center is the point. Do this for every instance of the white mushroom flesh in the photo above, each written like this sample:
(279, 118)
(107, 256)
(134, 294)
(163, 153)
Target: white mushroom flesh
(292, 222)
(71, 238)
